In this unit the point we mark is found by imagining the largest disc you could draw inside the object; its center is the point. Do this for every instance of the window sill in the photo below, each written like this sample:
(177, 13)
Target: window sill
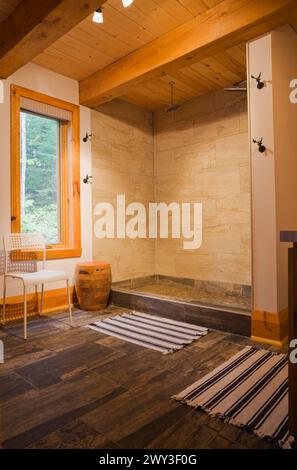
(61, 253)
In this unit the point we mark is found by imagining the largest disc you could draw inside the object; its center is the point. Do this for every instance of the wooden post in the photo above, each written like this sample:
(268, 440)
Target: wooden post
(292, 237)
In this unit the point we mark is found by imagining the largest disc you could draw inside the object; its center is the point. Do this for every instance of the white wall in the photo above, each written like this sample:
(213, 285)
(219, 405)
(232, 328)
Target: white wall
(45, 81)
(274, 174)
(263, 177)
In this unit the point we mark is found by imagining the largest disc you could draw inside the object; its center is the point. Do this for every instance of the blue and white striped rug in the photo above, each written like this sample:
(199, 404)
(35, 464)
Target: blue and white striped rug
(249, 391)
(150, 331)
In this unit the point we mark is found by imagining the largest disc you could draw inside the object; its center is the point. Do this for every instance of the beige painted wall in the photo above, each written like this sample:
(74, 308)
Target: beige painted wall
(45, 81)
(123, 163)
(202, 155)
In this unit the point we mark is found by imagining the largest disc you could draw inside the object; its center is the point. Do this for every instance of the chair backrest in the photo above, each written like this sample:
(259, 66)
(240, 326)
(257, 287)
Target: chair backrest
(22, 243)
(24, 262)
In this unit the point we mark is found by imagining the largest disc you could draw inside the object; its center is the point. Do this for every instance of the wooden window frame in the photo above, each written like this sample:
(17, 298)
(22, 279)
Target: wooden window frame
(66, 249)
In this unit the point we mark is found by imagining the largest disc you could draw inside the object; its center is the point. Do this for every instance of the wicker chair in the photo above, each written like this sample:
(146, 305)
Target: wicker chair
(19, 268)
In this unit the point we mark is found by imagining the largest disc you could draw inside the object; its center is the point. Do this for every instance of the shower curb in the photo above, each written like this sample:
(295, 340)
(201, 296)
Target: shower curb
(219, 318)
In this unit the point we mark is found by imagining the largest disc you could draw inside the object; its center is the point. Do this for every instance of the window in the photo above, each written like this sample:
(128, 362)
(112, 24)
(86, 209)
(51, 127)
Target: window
(45, 170)
(40, 176)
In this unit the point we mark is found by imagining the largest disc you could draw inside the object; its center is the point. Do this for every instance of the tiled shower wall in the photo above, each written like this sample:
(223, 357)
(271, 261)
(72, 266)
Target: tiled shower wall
(198, 154)
(123, 163)
(202, 155)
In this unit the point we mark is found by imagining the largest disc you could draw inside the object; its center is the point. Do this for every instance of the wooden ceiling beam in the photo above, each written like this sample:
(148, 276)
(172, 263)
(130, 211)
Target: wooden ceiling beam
(34, 25)
(223, 26)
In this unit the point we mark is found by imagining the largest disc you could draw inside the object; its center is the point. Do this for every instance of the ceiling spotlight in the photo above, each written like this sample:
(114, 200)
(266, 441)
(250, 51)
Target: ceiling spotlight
(127, 3)
(98, 16)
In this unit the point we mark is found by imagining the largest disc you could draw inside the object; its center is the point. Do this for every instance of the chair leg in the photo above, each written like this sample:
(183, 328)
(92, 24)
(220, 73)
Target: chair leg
(37, 300)
(69, 303)
(41, 299)
(4, 300)
(25, 313)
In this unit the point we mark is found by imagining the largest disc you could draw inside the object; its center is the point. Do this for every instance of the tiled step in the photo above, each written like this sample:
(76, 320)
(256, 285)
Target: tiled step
(220, 318)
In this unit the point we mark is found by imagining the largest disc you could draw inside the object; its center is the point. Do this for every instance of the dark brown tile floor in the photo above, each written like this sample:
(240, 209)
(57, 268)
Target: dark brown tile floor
(76, 388)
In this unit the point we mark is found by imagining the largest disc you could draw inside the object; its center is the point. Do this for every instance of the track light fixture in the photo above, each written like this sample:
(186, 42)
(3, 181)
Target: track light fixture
(127, 3)
(98, 16)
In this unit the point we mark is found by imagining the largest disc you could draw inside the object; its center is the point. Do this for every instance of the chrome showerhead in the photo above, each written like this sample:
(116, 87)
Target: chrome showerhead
(240, 86)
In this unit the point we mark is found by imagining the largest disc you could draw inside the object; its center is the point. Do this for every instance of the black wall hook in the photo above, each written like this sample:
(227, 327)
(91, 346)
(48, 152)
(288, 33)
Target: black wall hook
(262, 147)
(260, 83)
(87, 137)
(88, 179)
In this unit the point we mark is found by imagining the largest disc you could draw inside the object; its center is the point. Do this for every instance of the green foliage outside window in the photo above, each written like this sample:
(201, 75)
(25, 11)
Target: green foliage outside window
(40, 176)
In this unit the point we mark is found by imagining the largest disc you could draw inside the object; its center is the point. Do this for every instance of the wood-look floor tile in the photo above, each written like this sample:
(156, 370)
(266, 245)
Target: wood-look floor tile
(141, 438)
(138, 406)
(75, 435)
(68, 339)
(190, 432)
(30, 417)
(76, 388)
(51, 370)
(11, 385)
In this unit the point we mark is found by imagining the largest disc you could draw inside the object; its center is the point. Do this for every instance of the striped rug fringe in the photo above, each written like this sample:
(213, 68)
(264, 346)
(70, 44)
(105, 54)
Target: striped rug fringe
(150, 331)
(249, 391)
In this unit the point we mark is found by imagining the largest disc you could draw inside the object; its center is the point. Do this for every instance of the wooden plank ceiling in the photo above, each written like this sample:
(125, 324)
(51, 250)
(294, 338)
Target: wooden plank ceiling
(219, 71)
(7, 7)
(33, 26)
(214, 31)
(90, 47)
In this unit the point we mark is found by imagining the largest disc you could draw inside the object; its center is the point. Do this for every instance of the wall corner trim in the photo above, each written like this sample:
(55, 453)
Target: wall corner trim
(270, 328)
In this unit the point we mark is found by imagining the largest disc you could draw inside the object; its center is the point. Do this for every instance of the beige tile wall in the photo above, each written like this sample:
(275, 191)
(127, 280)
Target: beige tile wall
(202, 155)
(123, 163)
(198, 154)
